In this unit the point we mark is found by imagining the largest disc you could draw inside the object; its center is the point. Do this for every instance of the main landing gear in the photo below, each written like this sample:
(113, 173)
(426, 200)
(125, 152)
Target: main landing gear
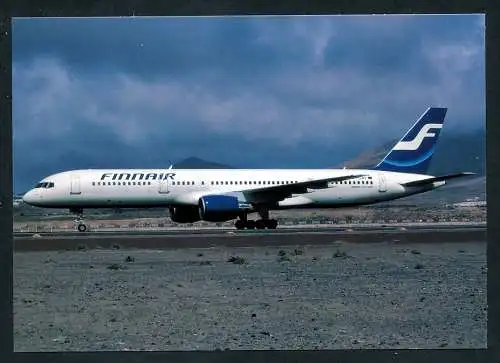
(80, 225)
(262, 223)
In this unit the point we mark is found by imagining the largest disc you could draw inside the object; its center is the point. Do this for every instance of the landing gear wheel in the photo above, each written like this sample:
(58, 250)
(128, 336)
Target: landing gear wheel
(272, 223)
(250, 224)
(239, 224)
(260, 224)
(82, 227)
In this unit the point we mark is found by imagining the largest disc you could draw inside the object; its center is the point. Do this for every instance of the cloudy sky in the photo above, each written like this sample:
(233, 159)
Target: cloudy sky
(246, 91)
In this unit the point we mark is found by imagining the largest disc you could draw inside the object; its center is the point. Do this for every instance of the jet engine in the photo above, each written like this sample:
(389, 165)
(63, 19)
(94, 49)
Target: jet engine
(184, 214)
(219, 208)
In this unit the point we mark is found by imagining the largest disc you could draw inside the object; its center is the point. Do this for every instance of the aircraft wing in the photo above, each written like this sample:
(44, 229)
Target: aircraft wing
(275, 193)
(436, 179)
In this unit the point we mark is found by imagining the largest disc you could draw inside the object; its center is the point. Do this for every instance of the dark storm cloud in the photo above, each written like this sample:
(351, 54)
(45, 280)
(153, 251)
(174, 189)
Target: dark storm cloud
(259, 92)
(149, 47)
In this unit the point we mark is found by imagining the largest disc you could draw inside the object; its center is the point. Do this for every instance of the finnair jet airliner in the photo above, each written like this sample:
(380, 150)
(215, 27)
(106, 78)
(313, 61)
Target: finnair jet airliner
(222, 195)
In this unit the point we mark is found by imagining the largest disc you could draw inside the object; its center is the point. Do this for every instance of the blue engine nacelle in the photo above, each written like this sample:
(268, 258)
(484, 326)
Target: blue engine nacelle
(219, 208)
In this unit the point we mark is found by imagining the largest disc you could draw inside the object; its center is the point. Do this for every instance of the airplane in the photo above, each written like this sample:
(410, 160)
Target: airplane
(219, 195)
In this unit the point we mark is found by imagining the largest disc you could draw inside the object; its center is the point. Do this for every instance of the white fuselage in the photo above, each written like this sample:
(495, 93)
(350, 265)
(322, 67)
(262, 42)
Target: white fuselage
(143, 188)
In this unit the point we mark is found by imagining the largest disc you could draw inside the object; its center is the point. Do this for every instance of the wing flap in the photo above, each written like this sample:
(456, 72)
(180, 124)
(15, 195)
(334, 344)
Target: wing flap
(436, 179)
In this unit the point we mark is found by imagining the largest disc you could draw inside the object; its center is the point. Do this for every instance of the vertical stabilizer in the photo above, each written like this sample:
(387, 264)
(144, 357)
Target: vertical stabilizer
(413, 153)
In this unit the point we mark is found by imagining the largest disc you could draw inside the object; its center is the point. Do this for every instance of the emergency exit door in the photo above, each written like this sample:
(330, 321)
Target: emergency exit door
(163, 186)
(382, 184)
(75, 185)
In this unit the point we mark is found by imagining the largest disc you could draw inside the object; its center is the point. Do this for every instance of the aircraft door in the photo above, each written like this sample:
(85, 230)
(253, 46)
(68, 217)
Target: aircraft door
(163, 186)
(75, 185)
(382, 185)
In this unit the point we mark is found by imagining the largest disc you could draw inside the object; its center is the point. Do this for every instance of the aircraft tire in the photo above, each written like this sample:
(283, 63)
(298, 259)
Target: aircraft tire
(272, 224)
(82, 227)
(260, 224)
(250, 224)
(240, 224)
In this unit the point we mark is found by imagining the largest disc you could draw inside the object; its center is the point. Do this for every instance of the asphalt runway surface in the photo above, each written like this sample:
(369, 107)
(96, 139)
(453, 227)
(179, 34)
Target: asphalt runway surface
(337, 294)
(210, 238)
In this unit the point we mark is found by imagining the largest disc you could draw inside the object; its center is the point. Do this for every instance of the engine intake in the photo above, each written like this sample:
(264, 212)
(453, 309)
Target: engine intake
(219, 208)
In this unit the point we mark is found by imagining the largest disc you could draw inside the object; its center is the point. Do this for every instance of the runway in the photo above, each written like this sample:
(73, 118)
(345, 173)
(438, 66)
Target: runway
(232, 238)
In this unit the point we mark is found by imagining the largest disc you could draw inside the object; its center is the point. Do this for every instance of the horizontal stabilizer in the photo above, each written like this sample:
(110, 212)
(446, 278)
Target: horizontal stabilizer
(436, 179)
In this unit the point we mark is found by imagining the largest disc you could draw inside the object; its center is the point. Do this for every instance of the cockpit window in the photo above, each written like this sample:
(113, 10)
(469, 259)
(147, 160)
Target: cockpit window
(45, 185)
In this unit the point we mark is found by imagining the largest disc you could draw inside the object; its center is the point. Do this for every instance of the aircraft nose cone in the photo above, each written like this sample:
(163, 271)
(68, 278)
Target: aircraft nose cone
(32, 197)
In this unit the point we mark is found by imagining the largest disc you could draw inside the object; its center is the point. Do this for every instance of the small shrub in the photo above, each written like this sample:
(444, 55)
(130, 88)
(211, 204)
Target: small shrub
(284, 259)
(237, 260)
(339, 254)
(115, 266)
(298, 251)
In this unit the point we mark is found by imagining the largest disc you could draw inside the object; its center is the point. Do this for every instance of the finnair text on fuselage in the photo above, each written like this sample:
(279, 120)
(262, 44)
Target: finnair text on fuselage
(137, 176)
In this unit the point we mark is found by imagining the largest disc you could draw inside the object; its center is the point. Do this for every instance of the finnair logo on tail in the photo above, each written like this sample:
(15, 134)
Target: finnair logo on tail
(414, 144)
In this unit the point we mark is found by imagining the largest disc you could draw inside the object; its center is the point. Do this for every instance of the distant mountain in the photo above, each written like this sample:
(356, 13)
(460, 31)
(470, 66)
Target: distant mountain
(368, 158)
(197, 163)
(454, 152)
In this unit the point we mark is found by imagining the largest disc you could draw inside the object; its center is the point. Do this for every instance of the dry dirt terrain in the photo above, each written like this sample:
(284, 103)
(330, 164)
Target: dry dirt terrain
(380, 295)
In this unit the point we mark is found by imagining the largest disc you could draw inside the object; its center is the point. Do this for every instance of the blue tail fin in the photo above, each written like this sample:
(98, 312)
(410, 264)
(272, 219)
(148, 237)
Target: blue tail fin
(413, 153)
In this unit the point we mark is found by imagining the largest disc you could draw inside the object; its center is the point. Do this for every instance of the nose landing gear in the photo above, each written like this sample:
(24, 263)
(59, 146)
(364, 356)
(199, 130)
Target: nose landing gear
(79, 222)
